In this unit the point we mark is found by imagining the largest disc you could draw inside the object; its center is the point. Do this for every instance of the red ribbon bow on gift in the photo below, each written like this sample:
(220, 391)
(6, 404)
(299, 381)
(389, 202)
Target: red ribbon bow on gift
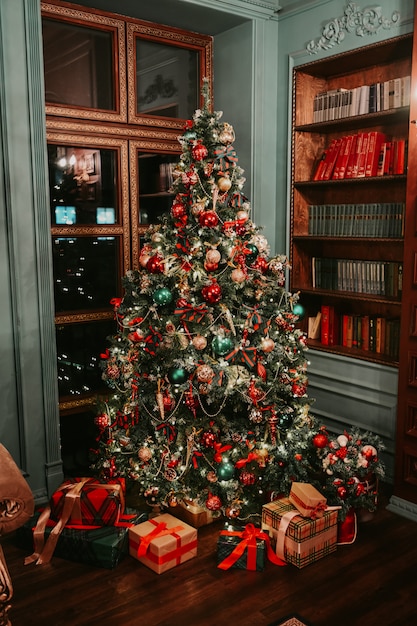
(249, 536)
(160, 530)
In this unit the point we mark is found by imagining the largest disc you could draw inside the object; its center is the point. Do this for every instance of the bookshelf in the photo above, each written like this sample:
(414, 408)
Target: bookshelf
(347, 230)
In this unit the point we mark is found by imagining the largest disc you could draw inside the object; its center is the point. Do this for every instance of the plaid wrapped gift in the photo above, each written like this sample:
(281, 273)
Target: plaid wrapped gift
(244, 548)
(102, 546)
(299, 540)
(308, 501)
(163, 542)
(192, 513)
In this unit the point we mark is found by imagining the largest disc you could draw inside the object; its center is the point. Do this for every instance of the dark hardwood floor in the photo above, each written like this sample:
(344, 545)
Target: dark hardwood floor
(371, 582)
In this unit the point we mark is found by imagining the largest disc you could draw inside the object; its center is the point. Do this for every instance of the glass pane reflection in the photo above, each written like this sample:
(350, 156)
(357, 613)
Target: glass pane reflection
(155, 186)
(82, 185)
(79, 347)
(85, 271)
(167, 79)
(78, 65)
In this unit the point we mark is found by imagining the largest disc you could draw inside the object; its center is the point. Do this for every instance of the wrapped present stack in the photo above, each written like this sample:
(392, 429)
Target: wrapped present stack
(162, 542)
(86, 521)
(301, 526)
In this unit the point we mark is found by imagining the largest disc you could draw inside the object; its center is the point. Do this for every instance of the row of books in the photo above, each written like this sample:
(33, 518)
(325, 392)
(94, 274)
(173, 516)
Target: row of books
(166, 177)
(365, 332)
(361, 155)
(336, 104)
(378, 278)
(385, 219)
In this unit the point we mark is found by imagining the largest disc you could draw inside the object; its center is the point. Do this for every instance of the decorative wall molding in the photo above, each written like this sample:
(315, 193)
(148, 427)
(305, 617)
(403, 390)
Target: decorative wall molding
(354, 20)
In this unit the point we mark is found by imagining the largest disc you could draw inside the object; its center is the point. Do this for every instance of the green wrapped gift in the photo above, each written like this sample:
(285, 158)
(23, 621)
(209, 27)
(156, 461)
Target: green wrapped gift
(103, 547)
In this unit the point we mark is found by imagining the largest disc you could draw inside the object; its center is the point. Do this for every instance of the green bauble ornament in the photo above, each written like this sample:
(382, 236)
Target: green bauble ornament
(189, 135)
(177, 375)
(162, 296)
(299, 310)
(253, 252)
(226, 470)
(221, 345)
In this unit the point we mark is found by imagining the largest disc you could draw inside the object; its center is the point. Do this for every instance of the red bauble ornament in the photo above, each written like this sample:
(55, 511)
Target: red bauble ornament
(155, 264)
(169, 402)
(211, 267)
(299, 390)
(320, 440)
(199, 151)
(261, 264)
(360, 489)
(247, 478)
(208, 439)
(102, 421)
(212, 293)
(178, 210)
(342, 492)
(208, 219)
(213, 503)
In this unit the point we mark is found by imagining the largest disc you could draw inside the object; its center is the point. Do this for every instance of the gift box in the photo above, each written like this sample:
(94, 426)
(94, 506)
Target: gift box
(192, 513)
(299, 540)
(308, 501)
(163, 542)
(103, 546)
(244, 548)
(88, 501)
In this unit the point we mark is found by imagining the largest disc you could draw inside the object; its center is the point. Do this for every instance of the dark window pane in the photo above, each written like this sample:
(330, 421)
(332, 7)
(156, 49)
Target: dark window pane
(167, 80)
(155, 186)
(85, 272)
(78, 64)
(82, 185)
(79, 347)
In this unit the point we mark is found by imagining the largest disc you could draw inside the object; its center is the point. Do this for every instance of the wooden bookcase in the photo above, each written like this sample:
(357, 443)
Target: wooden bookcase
(377, 63)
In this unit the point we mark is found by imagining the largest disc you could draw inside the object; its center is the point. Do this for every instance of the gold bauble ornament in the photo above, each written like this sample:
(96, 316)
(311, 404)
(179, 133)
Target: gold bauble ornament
(227, 135)
(224, 183)
(242, 215)
(238, 275)
(199, 342)
(204, 373)
(145, 454)
(213, 256)
(232, 512)
(267, 344)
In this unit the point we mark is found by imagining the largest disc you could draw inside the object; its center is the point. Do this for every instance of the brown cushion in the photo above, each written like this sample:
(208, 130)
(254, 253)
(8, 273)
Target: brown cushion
(16, 499)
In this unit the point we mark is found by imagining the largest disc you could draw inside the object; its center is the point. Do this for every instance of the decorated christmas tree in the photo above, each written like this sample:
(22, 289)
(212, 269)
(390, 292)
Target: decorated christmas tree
(207, 370)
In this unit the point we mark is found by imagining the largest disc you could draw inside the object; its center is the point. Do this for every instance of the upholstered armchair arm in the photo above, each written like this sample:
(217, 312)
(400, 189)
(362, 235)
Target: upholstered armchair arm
(16, 507)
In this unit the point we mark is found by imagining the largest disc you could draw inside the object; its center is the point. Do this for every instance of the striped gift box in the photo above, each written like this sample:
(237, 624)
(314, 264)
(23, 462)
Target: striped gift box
(299, 540)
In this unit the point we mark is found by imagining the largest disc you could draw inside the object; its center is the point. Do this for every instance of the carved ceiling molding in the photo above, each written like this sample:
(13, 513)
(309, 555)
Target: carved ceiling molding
(361, 22)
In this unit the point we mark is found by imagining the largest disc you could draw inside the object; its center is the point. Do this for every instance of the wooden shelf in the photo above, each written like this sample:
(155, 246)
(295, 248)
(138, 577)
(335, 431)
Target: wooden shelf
(378, 63)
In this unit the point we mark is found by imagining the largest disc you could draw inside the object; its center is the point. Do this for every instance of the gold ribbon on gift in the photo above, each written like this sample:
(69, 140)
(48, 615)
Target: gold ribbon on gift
(43, 552)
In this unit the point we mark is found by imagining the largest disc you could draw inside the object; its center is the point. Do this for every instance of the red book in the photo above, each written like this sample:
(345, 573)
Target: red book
(381, 159)
(365, 332)
(375, 141)
(330, 161)
(320, 165)
(329, 326)
(347, 331)
(342, 159)
(362, 155)
(399, 157)
(388, 158)
(351, 158)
